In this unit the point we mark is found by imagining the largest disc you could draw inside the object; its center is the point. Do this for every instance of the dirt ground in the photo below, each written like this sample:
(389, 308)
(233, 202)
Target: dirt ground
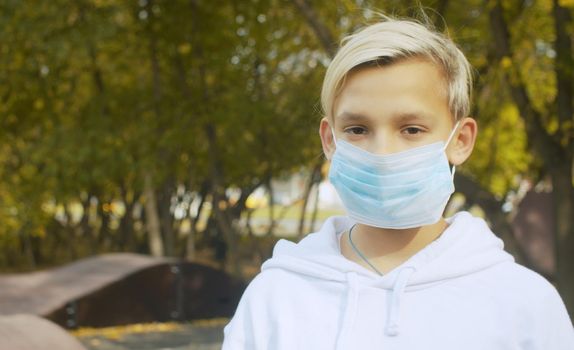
(206, 335)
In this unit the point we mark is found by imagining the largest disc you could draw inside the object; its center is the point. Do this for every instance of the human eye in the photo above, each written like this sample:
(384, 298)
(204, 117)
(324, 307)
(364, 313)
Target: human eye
(355, 130)
(412, 130)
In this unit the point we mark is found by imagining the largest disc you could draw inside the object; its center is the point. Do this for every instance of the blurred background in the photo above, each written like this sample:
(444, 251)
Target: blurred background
(185, 132)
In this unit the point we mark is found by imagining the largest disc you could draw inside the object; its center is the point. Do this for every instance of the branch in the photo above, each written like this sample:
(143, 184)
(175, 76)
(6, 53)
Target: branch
(543, 143)
(564, 67)
(478, 195)
(474, 193)
(323, 33)
(439, 20)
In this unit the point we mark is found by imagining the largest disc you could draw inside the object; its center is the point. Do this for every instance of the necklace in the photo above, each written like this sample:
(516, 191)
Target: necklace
(359, 253)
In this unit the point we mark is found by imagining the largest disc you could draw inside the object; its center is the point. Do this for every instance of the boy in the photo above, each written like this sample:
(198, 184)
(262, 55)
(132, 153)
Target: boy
(395, 274)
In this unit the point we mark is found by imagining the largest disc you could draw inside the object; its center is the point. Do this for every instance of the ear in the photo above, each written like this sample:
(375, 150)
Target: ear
(462, 143)
(327, 138)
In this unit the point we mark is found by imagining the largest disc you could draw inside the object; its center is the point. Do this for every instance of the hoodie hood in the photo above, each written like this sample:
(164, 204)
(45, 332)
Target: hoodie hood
(465, 247)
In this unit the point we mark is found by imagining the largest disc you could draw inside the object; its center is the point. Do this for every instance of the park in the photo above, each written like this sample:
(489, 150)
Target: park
(153, 153)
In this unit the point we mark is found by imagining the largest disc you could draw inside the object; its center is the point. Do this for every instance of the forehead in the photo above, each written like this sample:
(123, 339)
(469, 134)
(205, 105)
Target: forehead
(411, 88)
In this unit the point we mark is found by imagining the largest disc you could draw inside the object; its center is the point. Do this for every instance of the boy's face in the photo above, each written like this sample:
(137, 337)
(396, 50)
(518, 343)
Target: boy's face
(396, 107)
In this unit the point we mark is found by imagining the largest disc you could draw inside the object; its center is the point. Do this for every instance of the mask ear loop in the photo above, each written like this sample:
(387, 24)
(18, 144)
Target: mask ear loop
(451, 134)
(448, 142)
(334, 138)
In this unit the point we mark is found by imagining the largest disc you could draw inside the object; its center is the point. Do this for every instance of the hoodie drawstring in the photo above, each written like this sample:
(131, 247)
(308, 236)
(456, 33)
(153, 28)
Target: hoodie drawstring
(350, 311)
(392, 328)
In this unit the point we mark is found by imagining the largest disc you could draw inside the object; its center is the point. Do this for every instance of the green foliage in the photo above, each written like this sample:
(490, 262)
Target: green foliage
(97, 94)
(501, 153)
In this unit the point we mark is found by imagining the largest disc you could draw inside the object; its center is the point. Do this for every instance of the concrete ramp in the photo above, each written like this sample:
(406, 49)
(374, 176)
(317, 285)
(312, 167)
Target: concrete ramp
(42, 292)
(29, 332)
(118, 289)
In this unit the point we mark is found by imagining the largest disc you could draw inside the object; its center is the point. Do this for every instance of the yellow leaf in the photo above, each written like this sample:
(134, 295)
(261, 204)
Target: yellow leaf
(39, 104)
(40, 232)
(506, 62)
(184, 48)
(566, 3)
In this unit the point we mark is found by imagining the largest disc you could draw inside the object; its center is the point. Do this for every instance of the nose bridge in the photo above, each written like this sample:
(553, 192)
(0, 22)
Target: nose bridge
(382, 143)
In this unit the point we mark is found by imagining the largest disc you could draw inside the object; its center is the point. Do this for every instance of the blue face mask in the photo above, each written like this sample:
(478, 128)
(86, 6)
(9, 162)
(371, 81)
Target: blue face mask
(398, 191)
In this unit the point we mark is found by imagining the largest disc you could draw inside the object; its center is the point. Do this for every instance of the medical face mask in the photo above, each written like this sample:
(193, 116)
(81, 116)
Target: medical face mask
(401, 190)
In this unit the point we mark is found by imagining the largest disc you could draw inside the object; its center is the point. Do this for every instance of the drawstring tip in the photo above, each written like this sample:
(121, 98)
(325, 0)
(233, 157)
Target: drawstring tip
(392, 330)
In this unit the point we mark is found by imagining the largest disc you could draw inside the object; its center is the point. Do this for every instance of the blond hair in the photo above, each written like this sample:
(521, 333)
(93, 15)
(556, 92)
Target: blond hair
(390, 40)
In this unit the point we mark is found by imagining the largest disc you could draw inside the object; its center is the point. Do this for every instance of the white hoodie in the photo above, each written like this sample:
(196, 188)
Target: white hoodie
(462, 291)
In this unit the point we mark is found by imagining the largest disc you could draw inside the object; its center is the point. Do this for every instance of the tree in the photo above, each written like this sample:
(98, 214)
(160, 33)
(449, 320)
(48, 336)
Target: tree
(549, 125)
(490, 176)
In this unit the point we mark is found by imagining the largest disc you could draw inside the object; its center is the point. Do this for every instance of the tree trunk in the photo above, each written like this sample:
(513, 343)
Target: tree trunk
(27, 249)
(315, 208)
(152, 221)
(321, 31)
(190, 246)
(563, 195)
(314, 177)
(271, 196)
(166, 218)
(556, 151)
(475, 194)
(84, 225)
(224, 225)
(126, 240)
(104, 230)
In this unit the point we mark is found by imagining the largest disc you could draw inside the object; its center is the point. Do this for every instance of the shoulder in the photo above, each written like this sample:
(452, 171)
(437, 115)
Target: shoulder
(254, 314)
(531, 284)
(268, 285)
(533, 296)
(543, 314)
(519, 284)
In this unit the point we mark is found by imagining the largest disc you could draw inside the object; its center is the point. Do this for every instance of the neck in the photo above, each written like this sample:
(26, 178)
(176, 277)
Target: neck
(380, 243)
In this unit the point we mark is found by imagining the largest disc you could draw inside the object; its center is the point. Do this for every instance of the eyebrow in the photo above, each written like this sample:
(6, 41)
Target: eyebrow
(407, 117)
(402, 117)
(350, 116)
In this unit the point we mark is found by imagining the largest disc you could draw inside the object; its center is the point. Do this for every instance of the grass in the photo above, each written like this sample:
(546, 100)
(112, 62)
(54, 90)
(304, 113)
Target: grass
(293, 212)
(118, 332)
